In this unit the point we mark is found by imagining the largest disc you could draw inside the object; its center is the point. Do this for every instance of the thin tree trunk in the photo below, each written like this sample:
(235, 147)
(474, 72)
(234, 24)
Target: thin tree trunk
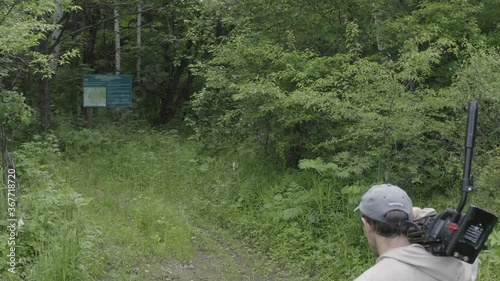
(118, 56)
(43, 93)
(45, 100)
(45, 113)
(117, 40)
(376, 16)
(139, 39)
(92, 18)
(55, 35)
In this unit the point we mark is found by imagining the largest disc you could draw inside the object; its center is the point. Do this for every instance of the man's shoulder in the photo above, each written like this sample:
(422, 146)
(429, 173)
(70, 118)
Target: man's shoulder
(414, 263)
(391, 270)
(383, 270)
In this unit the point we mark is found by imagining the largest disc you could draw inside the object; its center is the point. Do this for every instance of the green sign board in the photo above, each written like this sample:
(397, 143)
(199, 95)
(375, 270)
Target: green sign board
(107, 90)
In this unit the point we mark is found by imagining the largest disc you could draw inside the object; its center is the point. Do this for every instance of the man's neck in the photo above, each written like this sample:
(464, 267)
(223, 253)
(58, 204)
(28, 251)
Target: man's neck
(385, 244)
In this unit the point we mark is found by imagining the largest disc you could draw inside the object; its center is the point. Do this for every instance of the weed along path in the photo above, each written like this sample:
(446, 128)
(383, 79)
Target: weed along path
(143, 218)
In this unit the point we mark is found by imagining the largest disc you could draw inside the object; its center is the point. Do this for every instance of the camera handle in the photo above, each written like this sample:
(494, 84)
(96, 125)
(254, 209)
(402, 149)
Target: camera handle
(470, 137)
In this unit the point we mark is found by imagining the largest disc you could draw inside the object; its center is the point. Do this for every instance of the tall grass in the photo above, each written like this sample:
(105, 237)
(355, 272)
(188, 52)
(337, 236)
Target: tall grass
(53, 237)
(130, 201)
(136, 190)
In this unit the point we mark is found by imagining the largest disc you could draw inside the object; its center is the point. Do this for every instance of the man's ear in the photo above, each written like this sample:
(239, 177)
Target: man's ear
(366, 225)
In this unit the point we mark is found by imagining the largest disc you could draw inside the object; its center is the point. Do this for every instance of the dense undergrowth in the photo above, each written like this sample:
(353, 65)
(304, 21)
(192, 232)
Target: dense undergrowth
(81, 187)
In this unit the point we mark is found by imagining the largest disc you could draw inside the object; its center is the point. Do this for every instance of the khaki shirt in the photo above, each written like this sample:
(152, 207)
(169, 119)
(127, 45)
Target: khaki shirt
(414, 263)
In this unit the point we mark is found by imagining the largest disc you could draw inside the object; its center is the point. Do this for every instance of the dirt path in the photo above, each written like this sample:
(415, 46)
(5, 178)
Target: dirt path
(216, 258)
(217, 254)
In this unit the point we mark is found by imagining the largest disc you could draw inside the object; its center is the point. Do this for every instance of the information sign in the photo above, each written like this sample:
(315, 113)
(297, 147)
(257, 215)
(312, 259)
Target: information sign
(107, 90)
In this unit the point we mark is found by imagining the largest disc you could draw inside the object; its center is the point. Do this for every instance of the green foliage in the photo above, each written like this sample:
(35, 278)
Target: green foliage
(490, 258)
(488, 182)
(398, 114)
(250, 95)
(343, 166)
(164, 229)
(35, 160)
(479, 78)
(488, 21)
(23, 24)
(174, 36)
(13, 109)
(41, 63)
(66, 93)
(296, 105)
(320, 26)
(54, 240)
(76, 143)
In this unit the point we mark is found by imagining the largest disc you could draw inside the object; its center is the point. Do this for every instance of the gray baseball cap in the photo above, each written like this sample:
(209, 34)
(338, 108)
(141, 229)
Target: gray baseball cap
(380, 199)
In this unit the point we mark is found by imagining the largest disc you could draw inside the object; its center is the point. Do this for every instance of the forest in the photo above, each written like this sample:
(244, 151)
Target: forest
(254, 129)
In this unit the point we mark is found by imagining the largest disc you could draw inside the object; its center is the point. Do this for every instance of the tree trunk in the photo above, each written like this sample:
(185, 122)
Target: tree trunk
(139, 39)
(376, 16)
(117, 41)
(139, 94)
(92, 18)
(56, 47)
(43, 93)
(45, 114)
(174, 99)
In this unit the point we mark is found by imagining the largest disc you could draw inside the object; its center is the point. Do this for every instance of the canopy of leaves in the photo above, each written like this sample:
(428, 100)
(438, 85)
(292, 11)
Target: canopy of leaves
(22, 24)
(391, 94)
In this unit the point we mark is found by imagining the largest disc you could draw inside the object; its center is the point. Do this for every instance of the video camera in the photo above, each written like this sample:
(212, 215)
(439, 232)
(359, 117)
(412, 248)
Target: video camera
(451, 233)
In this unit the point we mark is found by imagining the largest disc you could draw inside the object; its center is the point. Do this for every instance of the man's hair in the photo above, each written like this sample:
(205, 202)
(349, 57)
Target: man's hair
(397, 224)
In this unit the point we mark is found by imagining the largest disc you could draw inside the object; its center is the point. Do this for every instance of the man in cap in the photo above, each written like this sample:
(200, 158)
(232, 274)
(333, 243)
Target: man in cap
(387, 214)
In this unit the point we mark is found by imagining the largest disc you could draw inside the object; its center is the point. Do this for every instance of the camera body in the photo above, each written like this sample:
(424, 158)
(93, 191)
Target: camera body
(463, 240)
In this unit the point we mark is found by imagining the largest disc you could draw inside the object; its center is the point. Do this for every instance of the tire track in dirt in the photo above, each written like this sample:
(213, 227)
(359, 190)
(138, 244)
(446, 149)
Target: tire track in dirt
(220, 257)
